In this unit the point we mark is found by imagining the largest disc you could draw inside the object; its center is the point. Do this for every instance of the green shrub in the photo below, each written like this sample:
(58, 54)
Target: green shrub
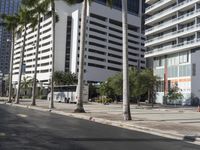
(104, 100)
(26, 97)
(98, 101)
(43, 96)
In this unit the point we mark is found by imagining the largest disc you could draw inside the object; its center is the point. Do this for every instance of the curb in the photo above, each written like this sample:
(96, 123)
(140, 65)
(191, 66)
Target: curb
(120, 124)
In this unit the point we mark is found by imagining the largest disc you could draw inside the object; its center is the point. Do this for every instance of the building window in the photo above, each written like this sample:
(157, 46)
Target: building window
(114, 69)
(184, 70)
(172, 71)
(97, 24)
(96, 58)
(97, 17)
(173, 60)
(96, 51)
(183, 57)
(96, 65)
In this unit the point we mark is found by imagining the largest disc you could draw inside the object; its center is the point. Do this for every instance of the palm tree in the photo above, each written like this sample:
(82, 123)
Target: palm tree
(126, 101)
(39, 7)
(53, 15)
(26, 83)
(39, 10)
(25, 17)
(82, 49)
(11, 24)
(79, 105)
(51, 105)
(70, 2)
(31, 3)
(36, 60)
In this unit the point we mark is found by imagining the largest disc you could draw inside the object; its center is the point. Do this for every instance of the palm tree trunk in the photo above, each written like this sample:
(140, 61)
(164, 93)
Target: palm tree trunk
(21, 67)
(126, 102)
(51, 105)
(149, 96)
(36, 62)
(138, 100)
(79, 106)
(11, 67)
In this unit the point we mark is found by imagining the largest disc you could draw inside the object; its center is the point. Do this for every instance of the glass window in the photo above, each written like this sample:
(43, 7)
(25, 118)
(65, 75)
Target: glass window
(183, 57)
(172, 71)
(133, 5)
(184, 70)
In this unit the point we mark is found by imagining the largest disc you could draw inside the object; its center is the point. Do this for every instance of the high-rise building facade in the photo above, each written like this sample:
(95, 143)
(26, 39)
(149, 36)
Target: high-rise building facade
(8, 7)
(133, 6)
(173, 44)
(103, 49)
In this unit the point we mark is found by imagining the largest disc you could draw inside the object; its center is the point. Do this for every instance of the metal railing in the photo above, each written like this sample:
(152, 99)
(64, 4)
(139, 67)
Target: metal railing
(173, 20)
(174, 33)
(170, 9)
(154, 4)
(173, 46)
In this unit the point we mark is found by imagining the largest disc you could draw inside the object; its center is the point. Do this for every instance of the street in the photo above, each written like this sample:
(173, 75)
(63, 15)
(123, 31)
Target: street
(23, 129)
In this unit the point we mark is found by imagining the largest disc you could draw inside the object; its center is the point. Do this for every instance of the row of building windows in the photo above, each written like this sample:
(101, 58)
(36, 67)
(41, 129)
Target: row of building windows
(133, 5)
(175, 71)
(117, 43)
(111, 21)
(31, 72)
(113, 36)
(29, 49)
(109, 67)
(175, 59)
(19, 35)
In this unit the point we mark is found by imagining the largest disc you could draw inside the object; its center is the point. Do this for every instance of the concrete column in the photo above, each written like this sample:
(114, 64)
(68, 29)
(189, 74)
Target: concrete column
(196, 22)
(195, 6)
(140, 8)
(177, 28)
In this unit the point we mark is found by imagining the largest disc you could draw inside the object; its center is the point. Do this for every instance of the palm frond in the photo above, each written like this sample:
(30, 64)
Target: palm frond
(9, 21)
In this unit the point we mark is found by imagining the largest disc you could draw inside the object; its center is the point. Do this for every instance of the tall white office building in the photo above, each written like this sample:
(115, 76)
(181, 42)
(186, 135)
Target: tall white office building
(173, 44)
(103, 51)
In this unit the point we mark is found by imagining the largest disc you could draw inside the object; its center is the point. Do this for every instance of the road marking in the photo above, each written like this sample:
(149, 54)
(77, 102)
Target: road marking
(2, 134)
(22, 115)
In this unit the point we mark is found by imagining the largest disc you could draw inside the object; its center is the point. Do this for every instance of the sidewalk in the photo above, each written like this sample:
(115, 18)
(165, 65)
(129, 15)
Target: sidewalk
(182, 123)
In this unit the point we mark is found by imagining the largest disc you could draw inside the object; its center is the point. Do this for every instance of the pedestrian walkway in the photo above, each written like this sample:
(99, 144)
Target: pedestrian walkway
(175, 122)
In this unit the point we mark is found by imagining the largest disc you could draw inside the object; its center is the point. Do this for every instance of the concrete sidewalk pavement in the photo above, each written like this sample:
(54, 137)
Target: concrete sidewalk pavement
(181, 123)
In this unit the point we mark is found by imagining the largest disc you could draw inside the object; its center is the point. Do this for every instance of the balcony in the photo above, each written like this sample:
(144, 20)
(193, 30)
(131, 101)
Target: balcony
(173, 22)
(172, 35)
(157, 5)
(173, 48)
(170, 10)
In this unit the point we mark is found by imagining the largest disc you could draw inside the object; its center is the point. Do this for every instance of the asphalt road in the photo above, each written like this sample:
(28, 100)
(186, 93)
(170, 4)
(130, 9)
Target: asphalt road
(23, 129)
